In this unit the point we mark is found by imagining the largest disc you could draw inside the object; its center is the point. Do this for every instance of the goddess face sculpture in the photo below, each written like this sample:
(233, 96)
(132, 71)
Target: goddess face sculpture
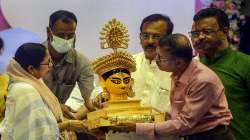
(114, 69)
(117, 83)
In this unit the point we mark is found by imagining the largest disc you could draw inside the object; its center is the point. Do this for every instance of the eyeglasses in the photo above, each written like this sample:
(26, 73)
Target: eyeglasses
(50, 63)
(205, 32)
(158, 59)
(146, 36)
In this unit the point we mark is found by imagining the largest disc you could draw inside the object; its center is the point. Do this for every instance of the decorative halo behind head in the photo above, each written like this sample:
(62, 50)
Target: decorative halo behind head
(114, 35)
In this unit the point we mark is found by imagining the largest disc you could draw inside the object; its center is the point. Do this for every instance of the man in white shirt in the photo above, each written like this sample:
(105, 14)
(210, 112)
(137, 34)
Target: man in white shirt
(151, 85)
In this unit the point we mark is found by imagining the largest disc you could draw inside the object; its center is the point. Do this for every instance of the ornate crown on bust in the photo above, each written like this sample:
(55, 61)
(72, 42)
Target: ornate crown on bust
(114, 35)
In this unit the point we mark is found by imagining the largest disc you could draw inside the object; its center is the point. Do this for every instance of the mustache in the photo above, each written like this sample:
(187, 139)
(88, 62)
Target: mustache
(204, 44)
(199, 44)
(150, 46)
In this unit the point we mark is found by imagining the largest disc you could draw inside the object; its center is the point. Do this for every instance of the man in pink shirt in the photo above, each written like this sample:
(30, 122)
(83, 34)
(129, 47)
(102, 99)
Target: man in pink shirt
(199, 106)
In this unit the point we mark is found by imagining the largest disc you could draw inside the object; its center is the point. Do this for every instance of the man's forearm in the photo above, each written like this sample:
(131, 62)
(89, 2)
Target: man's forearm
(81, 113)
(88, 103)
(84, 109)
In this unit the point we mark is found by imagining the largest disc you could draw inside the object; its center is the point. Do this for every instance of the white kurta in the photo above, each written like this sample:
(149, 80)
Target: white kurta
(151, 86)
(27, 117)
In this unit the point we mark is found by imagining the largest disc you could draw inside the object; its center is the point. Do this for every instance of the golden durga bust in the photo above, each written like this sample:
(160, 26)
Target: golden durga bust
(114, 71)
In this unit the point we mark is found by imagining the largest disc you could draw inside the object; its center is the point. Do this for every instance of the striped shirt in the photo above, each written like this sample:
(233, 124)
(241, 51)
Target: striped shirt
(27, 117)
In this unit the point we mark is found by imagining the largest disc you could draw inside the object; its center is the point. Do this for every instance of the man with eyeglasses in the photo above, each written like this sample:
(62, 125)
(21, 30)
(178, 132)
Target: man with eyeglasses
(199, 106)
(69, 66)
(210, 39)
(152, 86)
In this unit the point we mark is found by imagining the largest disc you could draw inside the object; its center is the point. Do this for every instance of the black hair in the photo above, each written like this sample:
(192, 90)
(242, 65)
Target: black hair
(106, 75)
(244, 37)
(220, 15)
(30, 54)
(157, 17)
(63, 15)
(1, 45)
(178, 45)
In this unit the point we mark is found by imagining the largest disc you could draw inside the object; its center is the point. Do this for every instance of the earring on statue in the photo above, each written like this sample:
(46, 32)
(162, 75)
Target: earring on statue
(105, 95)
(131, 93)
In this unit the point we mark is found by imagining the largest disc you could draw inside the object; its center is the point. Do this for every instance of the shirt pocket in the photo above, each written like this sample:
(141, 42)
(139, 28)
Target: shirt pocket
(65, 91)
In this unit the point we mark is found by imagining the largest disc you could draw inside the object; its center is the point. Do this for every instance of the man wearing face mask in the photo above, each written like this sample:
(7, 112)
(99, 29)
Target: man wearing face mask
(70, 67)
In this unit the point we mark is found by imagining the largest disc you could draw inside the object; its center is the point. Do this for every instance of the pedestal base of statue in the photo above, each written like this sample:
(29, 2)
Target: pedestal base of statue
(123, 111)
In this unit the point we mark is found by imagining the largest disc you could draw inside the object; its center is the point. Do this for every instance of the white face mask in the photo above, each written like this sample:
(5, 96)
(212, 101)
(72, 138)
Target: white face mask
(62, 45)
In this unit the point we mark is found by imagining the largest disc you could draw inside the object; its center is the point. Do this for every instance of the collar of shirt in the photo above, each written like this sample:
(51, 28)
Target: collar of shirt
(68, 57)
(151, 65)
(217, 56)
(185, 76)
